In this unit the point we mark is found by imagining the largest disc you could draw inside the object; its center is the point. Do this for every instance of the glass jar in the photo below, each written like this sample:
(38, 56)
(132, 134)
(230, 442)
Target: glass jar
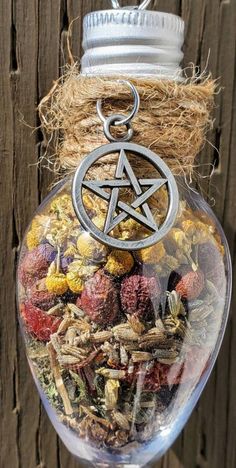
(121, 343)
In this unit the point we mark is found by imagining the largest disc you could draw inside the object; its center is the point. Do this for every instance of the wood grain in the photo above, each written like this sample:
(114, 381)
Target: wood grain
(32, 53)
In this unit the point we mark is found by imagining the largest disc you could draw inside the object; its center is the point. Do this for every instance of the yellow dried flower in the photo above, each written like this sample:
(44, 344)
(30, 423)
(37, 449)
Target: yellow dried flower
(70, 251)
(33, 238)
(166, 265)
(197, 231)
(39, 228)
(130, 229)
(57, 283)
(119, 263)
(83, 271)
(180, 240)
(75, 283)
(59, 232)
(94, 203)
(183, 246)
(152, 254)
(90, 248)
(62, 205)
(99, 221)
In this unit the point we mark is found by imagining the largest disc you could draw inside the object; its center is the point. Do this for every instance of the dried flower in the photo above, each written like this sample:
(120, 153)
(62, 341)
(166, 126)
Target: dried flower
(62, 206)
(99, 299)
(33, 237)
(57, 283)
(38, 322)
(40, 297)
(90, 248)
(139, 294)
(81, 269)
(70, 251)
(129, 229)
(197, 231)
(99, 221)
(191, 284)
(37, 231)
(152, 254)
(75, 283)
(119, 263)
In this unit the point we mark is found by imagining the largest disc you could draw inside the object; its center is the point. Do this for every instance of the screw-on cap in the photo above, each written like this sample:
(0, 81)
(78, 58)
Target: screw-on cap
(133, 42)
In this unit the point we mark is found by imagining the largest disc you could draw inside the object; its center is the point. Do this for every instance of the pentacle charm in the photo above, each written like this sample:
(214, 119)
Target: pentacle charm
(127, 195)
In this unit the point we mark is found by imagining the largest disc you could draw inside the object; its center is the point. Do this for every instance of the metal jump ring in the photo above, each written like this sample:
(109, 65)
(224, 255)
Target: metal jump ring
(110, 121)
(142, 6)
(125, 120)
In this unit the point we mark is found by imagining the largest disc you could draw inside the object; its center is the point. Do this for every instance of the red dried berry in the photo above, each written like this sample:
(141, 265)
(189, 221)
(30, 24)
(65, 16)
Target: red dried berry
(40, 297)
(37, 322)
(140, 294)
(35, 264)
(99, 299)
(190, 285)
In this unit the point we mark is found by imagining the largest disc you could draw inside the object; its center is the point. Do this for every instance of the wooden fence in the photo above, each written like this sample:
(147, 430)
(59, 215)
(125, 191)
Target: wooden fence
(32, 52)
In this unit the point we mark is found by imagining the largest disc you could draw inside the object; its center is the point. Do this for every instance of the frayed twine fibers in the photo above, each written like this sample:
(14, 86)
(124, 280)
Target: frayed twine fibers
(172, 120)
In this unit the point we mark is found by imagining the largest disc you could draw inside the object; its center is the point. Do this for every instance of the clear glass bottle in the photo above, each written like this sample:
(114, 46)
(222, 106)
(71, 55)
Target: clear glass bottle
(121, 344)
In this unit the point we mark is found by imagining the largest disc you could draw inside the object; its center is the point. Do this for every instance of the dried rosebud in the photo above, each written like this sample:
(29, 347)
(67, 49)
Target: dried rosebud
(57, 283)
(190, 285)
(99, 299)
(119, 263)
(40, 297)
(38, 322)
(35, 264)
(211, 263)
(139, 294)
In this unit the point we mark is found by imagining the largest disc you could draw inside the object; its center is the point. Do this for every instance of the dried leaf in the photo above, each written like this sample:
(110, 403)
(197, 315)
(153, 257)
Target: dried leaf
(140, 356)
(121, 420)
(101, 336)
(111, 373)
(58, 379)
(75, 310)
(83, 393)
(111, 393)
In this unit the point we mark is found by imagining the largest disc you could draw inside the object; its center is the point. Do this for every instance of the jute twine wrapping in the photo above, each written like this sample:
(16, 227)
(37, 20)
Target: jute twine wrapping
(172, 120)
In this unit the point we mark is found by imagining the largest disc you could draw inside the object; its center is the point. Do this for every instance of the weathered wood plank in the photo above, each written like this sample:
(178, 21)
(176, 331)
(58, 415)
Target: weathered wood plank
(32, 51)
(23, 80)
(8, 356)
(49, 24)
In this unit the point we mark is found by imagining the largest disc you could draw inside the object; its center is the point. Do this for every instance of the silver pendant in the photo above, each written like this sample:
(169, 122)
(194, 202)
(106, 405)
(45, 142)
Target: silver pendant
(124, 177)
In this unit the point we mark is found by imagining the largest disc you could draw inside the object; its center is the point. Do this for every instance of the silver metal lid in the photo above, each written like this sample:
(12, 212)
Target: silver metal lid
(132, 42)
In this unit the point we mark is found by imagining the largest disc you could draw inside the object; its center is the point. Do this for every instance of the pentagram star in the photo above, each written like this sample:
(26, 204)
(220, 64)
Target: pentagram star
(124, 169)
